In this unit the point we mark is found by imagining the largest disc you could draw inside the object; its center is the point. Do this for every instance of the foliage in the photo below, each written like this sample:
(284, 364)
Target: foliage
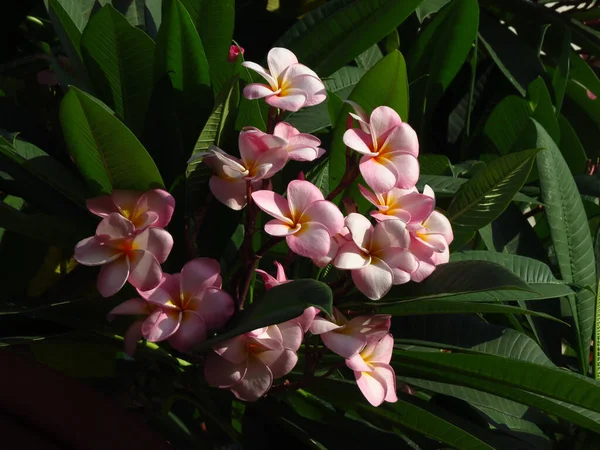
(494, 350)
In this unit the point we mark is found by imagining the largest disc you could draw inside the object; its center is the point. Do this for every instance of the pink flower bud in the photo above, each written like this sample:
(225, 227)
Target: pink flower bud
(234, 53)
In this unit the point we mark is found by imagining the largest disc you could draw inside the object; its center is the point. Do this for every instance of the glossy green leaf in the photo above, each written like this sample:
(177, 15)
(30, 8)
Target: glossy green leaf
(214, 21)
(337, 32)
(180, 55)
(510, 390)
(507, 122)
(431, 164)
(384, 84)
(438, 54)
(517, 61)
(455, 278)
(488, 193)
(428, 7)
(119, 60)
(548, 381)
(571, 148)
(106, 153)
(369, 57)
(284, 302)
(425, 307)
(543, 110)
(570, 234)
(41, 165)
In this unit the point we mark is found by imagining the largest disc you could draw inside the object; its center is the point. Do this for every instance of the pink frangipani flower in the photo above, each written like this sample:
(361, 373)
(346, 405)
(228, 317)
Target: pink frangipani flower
(262, 155)
(404, 204)
(125, 255)
(234, 52)
(337, 240)
(390, 148)
(291, 85)
(377, 256)
(300, 146)
(306, 319)
(144, 209)
(374, 375)
(182, 309)
(249, 363)
(348, 337)
(430, 241)
(305, 218)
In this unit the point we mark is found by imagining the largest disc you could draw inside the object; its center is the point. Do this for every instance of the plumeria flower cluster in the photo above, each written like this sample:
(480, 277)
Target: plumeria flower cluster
(402, 239)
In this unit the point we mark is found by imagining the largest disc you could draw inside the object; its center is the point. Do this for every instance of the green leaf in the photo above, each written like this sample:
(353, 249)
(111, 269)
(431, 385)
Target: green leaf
(41, 165)
(458, 278)
(571, 148)
(541, 105)
(214, 21)
(548, 381)
(518, 418)
(279, 304)
(510, 390)
(561, 74)
(408, 412)
(428, 7)
(369, 57)
(438, 54)
(517, 61)
(426, 307)
(180, 55)
(570, 234)
(337, 32)
(106, 153)
(507, 122)
(384, 84)
(435, 164)
(119, 60)
(443, 186)
(483, 198)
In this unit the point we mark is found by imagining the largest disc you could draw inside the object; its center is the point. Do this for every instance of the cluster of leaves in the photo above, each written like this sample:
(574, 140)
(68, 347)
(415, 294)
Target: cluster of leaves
(495, 345)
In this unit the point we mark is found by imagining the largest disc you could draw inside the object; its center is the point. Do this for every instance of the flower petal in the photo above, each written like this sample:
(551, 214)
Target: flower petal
(199, 273)
(191, 332)
(279, 59)
(156, 241)
(357, 363)
(293, 100)
(255, 91)
(386, 373)
(418, 206)
(271, 162)
(307, 318)
(325, 213)
(256, 382)
(310, 84)
(233, 350)
(222, 373)
(390, 234)
(404, 138)
(214, 305)
(408, 169)
(284, 364)
(114, 226)
(383, 350)
(271, 79)
(311, 241)
(161, 325)
(374, 280)
(380, 174)
(359, 140)
(273, 204)
(90, 252)
(101, 206)
(438, 223)
(345, 345)
(231, 193)
(360, 230)
(291, 334)
(276, 227)
(159, 202)
(382, 120)
(350, 257)
(373, 386)
(132, 336)
(300, 195)
(131, 307)
(321, 325)
(112, 276)
(125, 200)
(145, 272)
